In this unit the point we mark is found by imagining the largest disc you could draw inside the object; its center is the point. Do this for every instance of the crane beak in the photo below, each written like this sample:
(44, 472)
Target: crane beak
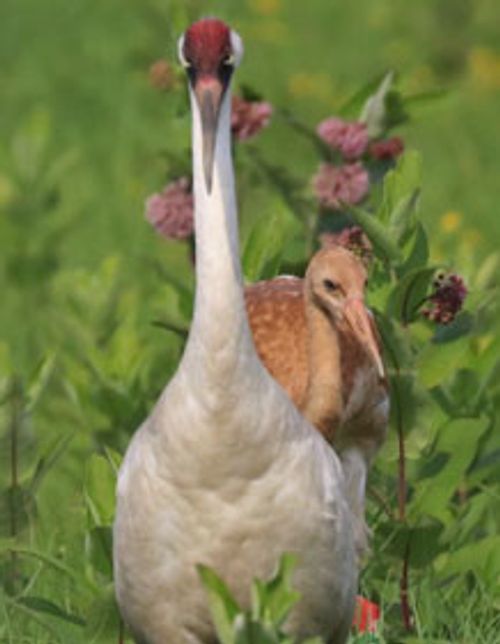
(208, 93)
(358, 318)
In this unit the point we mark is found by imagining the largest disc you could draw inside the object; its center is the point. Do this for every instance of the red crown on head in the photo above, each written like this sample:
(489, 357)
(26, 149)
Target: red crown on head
(206, 43)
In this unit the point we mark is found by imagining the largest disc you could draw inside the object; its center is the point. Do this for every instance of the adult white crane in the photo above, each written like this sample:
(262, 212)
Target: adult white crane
(318, 340)
(225, 471)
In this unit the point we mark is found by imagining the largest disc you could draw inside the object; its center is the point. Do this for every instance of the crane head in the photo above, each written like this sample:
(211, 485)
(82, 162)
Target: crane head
(209, 51)
(335, 281)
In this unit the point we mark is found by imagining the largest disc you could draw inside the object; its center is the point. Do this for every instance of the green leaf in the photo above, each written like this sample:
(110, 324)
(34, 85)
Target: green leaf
(383, 245)
(437, 362)
(400, 188)
(272, 600)
(40, 381)
(417, 253)
(402, 220)
(223, 607)
(409, 294)
(481, 557)
(374, 112)
(103, 622)
(459, 438)
(99, 491)
(262, 251)
(354, 105)
(42, 605)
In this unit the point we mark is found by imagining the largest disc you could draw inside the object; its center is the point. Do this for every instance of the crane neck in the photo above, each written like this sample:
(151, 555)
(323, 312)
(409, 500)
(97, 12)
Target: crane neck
(323, 402)
(219, 320)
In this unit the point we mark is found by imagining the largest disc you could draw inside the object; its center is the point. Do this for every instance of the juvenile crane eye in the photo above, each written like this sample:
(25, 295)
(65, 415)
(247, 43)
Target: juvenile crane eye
(330, 285)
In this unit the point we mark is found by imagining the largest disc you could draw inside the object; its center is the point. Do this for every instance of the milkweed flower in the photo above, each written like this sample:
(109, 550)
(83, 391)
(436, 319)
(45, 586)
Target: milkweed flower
(171, 211)
(337, 186)
(387, 148)
(366, 615)
(349, 137)
(353, 238)
(248, 118)
(447, 299)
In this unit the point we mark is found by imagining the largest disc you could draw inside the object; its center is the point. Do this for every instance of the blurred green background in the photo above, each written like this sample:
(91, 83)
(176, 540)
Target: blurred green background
(85, 137)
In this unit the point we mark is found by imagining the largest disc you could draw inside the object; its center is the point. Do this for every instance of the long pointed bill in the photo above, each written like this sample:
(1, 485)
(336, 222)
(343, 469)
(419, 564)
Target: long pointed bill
(358, 318)
(208, 92)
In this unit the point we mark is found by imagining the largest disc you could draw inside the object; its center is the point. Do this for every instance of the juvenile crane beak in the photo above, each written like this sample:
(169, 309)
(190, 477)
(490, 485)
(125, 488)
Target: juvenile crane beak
(358, 318)
(208, 92)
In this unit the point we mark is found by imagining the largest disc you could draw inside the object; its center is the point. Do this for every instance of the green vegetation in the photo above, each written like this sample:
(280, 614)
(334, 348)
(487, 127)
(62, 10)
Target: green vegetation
(95, 305)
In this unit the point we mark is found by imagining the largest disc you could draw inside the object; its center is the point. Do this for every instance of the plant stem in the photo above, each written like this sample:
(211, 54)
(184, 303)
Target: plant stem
(121, 632)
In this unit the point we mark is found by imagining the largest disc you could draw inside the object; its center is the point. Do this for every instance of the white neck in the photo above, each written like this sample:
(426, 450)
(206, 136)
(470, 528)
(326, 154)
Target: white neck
(219, 326)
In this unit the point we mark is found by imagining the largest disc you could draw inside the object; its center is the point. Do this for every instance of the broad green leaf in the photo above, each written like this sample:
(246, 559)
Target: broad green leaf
(352, 108)
(402, 220)
(409, 294)
(262, 252)
(481, 557)
(374, 112)
(459, 438)
(416, 251)
(437, 362)
(400, 184)
(384, 246)
(42, 605)
(223, 606)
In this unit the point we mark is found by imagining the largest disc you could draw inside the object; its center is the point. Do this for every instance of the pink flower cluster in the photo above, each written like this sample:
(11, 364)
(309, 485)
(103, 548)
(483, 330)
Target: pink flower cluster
(353, 238)
(248, 118)
(171, 211)
(338, 186)
(162, 75)
(349, 137)
(447, 298)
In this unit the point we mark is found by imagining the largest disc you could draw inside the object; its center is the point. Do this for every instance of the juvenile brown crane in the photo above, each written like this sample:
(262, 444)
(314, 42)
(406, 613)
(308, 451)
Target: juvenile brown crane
(319, 341)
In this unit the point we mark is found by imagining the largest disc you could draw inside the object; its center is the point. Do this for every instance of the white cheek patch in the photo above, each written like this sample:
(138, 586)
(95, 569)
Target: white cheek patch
(237, 47)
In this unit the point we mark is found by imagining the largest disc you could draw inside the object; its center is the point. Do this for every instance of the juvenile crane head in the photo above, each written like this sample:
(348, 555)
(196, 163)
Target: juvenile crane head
(209, 52)
(335, 281)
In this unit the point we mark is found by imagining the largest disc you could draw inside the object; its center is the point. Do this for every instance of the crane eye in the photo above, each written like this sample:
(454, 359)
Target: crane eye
(330, 285)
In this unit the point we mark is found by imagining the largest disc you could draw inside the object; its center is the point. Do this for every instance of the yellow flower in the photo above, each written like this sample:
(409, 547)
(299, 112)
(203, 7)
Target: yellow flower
(265, 7)
(450, 221)
(484, 67)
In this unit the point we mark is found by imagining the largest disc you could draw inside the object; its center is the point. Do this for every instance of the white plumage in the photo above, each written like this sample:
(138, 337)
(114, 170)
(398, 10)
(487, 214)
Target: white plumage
(225, 471)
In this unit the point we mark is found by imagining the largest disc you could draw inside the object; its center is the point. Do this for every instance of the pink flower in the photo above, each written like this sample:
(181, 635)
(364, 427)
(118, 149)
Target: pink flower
(447, 298)
(387, 149)
(336, 186)
(366, 615)
(353, 238)
(249, 117)
(171, 211)
(350, 138)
